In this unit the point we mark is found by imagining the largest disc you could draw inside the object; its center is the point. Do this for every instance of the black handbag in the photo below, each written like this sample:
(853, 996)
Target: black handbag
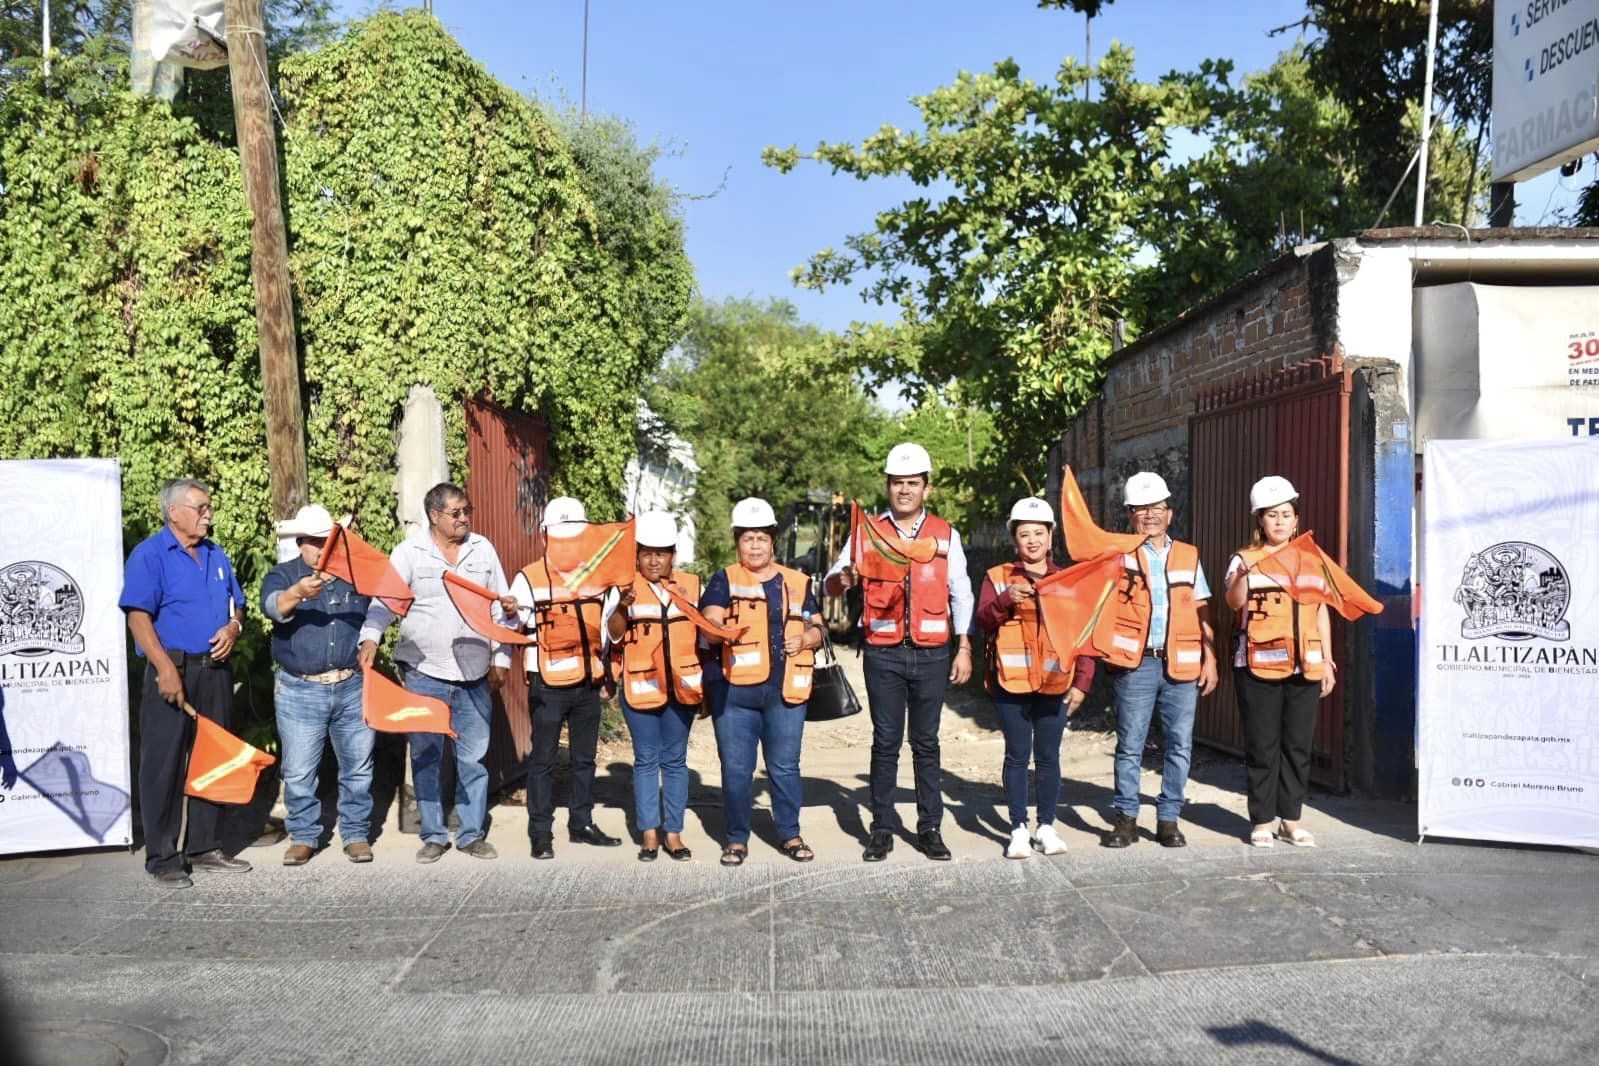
(832, 696)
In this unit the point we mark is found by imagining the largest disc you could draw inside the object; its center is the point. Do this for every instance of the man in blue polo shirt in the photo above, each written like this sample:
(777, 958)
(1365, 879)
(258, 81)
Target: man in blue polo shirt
(185, 609)
(316, 620)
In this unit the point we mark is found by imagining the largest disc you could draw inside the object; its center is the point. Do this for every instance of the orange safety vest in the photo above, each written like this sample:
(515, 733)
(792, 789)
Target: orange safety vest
(920, 601)
(659, 654)
(1123, 636)
(748, 661)
(1281, 637)
(1024, 658)
(568, 632)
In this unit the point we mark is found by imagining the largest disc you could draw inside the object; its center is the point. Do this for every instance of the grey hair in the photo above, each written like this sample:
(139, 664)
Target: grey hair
(173, 491)
(441, 494)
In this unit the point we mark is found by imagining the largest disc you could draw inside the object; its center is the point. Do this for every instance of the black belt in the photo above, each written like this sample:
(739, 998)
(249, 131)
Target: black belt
(1154, 653)
(202, 659)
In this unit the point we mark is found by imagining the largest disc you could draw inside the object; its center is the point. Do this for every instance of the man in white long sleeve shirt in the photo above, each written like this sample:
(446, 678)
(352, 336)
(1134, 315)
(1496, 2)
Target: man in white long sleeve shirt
(440, 656)
(908, 626)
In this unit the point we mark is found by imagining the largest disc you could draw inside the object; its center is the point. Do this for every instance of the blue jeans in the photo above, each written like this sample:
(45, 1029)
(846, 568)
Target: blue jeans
(1139, 693)
(906, 685)
(660, 764)
(470, 709)
(744, 716)
(308, 715)
(1033, 726)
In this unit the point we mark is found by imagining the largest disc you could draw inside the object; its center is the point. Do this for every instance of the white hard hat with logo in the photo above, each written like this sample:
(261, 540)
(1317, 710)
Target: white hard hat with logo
(1271, 490)
(752, 512)
(563, 510)
(908, 460)
(1032, 509)
(655, 529)
(1145, 488)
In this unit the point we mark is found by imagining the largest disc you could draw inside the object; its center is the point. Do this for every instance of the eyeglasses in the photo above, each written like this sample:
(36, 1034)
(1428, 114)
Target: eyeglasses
(204, 508)
(1149, 508)
(459, 512)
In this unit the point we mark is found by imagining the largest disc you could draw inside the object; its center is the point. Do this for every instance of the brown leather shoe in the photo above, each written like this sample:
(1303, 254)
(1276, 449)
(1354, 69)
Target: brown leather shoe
(360, 851)
(216, 862)
(298, 854)
(1123, 832)
(1167, 835)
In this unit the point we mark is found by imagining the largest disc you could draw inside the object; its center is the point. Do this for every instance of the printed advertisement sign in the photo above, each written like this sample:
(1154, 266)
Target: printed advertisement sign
(1546, 84)
(1507, 714)
(64, 777)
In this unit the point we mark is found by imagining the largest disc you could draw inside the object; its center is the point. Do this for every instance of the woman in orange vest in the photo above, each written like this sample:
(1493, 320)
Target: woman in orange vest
(1281, 669)
(1032, 690)
(759, 692)
(660, 682)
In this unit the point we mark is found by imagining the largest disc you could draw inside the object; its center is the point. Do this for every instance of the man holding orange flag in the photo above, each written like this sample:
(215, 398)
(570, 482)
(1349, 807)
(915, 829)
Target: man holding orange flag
(316, 627)
(909, 617)
(185, 609)
(439, 655)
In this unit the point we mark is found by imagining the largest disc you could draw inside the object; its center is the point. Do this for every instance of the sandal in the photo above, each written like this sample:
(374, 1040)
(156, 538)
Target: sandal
(1299, 837)
(734, 855)
(1260, 838)
(798, 850)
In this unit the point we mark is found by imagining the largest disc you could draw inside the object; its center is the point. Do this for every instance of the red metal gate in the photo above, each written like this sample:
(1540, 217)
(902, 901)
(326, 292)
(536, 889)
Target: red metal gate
(1294, 423)
(507, 458)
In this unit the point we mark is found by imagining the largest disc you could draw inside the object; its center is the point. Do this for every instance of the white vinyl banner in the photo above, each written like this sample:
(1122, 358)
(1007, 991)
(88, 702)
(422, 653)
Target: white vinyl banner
(63, 657)
(1507, 713)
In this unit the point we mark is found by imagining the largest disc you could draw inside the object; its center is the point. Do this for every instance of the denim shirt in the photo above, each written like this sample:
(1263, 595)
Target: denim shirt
(320, 634)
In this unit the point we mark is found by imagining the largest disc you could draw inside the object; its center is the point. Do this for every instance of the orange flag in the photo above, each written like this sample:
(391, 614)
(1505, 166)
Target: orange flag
(475, 604)
(592, 557)
(1084, 539)
(223, 768)
(1306, 573)
(882, 556)
(1072, 601)
(703, 624)
(347, 556)
(389, 708)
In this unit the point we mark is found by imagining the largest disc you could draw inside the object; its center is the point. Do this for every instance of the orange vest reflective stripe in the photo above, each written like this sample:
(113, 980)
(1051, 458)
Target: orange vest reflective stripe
(1281, 637)
(748, 661)
(1123, 635)
(1024, 658)
(567, 630)
(921, 600)
(659, 654)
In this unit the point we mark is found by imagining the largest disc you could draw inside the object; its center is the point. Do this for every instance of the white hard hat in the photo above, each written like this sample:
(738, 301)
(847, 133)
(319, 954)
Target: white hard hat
(312, 520)
(1271, 490)
(1032, 509)
(655, 529)
(1145, 488)
(561, 510)
(752, 512)
(908, 460)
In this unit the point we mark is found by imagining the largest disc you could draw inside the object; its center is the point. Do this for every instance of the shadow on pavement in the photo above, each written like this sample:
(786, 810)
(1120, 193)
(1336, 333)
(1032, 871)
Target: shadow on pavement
(1261, 1034)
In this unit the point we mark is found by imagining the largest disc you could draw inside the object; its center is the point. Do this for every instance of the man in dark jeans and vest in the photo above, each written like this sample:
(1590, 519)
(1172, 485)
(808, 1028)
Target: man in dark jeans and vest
(908, 626)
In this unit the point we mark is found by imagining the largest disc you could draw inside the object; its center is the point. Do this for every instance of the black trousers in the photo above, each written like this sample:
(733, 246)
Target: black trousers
(1279, 719)
(906, 684)
(166, 734)
(579, 708)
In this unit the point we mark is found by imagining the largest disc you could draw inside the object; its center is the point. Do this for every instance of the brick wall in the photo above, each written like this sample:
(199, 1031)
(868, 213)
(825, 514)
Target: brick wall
(1279, 316)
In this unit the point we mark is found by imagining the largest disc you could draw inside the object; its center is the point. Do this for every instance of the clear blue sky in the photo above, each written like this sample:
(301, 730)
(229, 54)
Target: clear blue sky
(719, 80)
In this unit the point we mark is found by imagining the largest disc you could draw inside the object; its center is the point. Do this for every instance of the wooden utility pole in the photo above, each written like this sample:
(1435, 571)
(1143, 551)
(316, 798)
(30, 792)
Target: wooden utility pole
(269, 255)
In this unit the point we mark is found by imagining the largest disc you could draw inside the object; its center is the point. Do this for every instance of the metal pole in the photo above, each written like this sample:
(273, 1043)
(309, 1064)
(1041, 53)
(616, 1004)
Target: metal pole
(1426, 111)
(427, 6)
(583, 103)
(44, 34)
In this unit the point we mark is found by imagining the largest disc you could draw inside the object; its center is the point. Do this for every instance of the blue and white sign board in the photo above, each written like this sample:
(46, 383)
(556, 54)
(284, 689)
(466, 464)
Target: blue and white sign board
(64, 768)
(1507, 711)
(1546, 85)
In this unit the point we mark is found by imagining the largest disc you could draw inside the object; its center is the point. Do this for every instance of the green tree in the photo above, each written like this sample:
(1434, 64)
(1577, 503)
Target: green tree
(956, 436)
(772, 408)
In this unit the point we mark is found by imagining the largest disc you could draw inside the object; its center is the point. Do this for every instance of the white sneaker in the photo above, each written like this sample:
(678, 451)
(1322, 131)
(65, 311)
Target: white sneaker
(1020, 846)
(1048, 841)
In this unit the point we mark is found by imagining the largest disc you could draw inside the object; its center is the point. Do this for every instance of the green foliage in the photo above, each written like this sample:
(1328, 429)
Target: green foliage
(441, 231)
(772, 409)
(956, 436)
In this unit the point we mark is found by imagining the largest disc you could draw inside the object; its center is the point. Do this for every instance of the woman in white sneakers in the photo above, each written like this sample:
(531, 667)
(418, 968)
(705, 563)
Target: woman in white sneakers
(1033, 692)
(1282, 668)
